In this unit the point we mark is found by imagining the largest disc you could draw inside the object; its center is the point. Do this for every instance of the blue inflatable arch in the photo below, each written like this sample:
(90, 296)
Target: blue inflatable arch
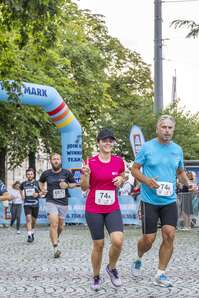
(51, 102)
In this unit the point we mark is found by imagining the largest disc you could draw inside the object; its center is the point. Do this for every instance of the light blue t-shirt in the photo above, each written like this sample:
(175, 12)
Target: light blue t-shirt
(161, 161)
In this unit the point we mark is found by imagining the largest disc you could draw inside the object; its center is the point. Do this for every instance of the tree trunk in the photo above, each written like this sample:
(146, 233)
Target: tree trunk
(3, 164)
(32, 163)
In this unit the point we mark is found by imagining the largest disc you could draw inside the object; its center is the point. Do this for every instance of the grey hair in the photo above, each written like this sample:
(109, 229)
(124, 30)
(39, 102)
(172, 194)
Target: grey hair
(164, 117)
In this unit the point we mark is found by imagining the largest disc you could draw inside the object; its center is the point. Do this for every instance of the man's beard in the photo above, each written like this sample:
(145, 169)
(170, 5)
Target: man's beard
(56, 167)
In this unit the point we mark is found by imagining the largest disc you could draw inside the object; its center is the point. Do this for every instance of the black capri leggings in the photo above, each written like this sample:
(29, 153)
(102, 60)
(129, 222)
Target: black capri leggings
(96, 222)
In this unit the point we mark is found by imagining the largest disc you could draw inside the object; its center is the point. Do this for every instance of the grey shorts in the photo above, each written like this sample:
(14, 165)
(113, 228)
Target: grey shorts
(60, 210)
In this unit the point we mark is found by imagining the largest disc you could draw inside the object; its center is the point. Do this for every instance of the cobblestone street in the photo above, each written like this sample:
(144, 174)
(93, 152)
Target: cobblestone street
(29, 270)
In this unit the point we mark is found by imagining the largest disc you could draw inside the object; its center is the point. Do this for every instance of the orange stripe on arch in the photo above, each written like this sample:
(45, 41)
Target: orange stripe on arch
(60, 117)
(66, 122)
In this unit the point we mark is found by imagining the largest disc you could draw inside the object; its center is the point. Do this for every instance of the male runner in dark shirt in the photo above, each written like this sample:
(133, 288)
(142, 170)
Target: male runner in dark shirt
(30, 193)
(58, 180)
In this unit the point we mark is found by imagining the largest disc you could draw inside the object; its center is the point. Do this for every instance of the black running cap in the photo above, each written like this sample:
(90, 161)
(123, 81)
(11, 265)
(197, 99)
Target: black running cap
(105, 133)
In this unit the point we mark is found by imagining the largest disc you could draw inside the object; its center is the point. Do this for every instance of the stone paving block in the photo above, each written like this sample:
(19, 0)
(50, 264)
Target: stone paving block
(29, 270)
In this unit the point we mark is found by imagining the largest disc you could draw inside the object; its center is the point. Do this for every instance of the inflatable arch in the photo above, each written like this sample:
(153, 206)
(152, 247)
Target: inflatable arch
(52, 103)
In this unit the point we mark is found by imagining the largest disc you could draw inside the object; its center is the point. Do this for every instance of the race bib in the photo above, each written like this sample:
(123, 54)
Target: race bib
(59, 193)
(29, 192)
(104, 197)
(165, 189)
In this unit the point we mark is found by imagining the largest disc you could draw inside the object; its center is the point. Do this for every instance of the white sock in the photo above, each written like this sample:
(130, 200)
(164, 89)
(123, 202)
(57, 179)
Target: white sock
(29, 233)
(33, 231)
(55, 246)
(159, 272)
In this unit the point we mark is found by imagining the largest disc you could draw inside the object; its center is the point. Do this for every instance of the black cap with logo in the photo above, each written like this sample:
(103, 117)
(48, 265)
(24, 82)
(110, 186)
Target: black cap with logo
(105, 133)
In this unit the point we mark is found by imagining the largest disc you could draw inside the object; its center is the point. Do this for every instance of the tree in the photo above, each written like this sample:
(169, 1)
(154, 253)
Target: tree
(74, 66)
(192, 26)
(186, 133)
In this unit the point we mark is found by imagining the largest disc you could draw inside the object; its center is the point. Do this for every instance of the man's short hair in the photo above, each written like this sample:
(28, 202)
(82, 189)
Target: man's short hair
(53, 154)
(15, 183)
(31, 170)
(164, 117)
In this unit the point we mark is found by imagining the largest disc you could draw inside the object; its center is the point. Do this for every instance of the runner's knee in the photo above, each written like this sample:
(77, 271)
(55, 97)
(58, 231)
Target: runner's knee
(117, 243)
(54, 225)
(168, 235)
(98, 245)
(148, 240)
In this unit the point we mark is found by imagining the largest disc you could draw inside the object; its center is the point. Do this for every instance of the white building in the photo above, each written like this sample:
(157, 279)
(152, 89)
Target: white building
(19, 173)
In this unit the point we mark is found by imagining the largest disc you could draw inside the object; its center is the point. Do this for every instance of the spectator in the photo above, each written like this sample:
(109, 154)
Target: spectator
(16, 205)
(136, 190)
(4, 196)
(186, 196)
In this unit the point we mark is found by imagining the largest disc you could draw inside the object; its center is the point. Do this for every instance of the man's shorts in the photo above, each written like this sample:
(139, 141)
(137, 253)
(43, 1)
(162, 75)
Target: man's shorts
(96, 222)
(31, 210)
(59, 210)
(167, 214)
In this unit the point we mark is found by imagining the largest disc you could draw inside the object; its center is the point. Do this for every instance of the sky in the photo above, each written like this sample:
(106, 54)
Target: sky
(132, 22)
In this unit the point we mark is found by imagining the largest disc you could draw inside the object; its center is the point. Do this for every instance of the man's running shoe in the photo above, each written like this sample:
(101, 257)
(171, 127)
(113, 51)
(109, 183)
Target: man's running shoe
(57, 253)
(33, 237)
(96, 283)
(162, 281)
(29, 239)
(136, 268)
(113, 274)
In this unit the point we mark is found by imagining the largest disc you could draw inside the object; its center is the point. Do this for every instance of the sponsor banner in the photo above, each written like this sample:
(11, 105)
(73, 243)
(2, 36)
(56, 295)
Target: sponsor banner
(136, 139)
(130, 209)
(2, 214)
(76, 211)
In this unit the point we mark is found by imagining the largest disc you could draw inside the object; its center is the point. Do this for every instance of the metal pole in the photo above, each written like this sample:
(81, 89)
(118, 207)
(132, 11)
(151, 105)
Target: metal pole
(174, 88)
(158, 77)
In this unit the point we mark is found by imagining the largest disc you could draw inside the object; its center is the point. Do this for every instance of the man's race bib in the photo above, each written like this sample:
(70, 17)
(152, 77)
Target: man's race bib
(59, 193)
(104, 197)
(165, 189)
(29, 192)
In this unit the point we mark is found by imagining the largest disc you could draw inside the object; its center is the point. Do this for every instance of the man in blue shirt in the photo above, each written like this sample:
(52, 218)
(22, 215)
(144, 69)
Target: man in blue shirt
(161, 161)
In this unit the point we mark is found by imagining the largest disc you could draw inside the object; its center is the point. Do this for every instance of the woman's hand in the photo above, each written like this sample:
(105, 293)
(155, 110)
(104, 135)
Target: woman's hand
(85, 170)
(118, 181)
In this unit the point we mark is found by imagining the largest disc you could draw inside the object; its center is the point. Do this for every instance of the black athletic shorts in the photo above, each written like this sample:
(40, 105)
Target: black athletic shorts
(96, 222)
(32, 210)
(167, 214)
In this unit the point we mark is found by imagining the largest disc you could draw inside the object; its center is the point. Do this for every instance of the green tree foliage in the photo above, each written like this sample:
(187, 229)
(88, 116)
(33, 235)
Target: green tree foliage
(186, 133)
(54, 43)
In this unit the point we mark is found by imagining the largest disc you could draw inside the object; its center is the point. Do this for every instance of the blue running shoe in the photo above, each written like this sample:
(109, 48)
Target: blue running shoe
(162, 281)
(136, 268)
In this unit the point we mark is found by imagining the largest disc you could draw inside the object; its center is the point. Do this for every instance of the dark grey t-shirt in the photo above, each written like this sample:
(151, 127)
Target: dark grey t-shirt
(55, 194)
(29, 187)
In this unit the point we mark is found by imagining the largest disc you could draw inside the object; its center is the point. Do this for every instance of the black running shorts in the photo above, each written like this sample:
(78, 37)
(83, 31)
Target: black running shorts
(32, 210)
(96, 222)
(167, 214)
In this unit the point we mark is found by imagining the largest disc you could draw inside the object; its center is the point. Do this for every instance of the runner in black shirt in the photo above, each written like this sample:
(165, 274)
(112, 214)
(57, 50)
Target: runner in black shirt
(58, 181)
(30, 193)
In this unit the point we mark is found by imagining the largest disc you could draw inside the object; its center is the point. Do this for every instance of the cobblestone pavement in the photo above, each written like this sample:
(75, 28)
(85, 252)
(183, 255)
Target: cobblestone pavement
(29, 270)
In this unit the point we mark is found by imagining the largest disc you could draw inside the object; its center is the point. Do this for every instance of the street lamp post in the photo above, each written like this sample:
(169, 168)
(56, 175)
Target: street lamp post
(158, 77)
